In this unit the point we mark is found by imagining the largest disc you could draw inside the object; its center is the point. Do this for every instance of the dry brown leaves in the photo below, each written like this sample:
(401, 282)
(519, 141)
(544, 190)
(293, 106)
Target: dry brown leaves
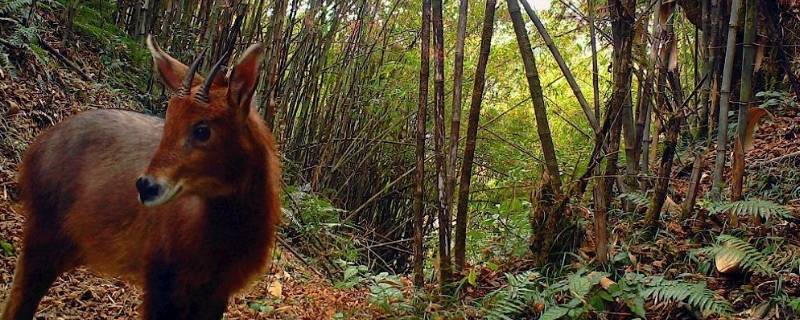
(776, 137)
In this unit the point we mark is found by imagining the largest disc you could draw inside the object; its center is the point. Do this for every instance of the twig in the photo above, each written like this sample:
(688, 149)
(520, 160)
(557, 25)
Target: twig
(298, 256)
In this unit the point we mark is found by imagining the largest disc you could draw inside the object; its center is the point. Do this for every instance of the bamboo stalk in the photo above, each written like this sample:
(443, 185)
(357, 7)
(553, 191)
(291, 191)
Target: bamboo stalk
(455, 124)
(576, 90)
(535, 90)
(419, 178)
(438, 139)
(745, 96)
(725, 96)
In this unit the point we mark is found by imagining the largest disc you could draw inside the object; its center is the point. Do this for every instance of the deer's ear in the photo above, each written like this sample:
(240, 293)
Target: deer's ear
(169, 70)
(244, 79)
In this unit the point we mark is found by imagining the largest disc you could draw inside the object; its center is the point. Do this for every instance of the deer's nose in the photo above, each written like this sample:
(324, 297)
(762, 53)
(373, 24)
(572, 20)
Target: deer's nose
(148, 189)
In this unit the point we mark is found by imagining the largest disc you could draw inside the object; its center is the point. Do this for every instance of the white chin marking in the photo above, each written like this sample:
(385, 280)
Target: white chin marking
(165, 197)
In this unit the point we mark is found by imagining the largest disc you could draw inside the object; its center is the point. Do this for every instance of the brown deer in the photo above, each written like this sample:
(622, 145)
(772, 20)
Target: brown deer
(185, 208)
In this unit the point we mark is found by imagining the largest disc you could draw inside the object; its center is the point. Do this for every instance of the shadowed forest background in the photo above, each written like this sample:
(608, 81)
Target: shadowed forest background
(565, 159)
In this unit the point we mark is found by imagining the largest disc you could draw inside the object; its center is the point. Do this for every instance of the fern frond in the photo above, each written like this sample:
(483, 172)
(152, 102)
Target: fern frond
(765, 209)
(697, 295)
(14, 7)
(637, 198)
(742, 252)
(513, 300)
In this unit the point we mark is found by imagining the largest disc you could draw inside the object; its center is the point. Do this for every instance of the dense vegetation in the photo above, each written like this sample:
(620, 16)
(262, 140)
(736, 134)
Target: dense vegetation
(480, 159)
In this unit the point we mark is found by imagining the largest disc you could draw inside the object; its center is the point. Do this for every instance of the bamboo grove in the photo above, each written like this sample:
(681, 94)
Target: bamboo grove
(374, 106)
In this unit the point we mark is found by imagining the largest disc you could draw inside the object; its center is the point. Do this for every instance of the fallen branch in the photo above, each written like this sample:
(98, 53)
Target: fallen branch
(298, 256)
(64, 60)
(774, 160)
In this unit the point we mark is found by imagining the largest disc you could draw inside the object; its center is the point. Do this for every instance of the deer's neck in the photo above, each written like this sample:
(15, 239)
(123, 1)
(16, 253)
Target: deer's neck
(253, 189)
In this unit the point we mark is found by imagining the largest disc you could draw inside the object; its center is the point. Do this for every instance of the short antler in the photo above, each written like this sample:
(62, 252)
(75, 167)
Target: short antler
(202, 95)
(187, 82)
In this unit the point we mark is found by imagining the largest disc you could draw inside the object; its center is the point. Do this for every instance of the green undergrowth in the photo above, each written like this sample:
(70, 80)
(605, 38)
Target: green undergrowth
(629, 285)
(19, 34)
(126, 59)
(633, 284)
(319, 231)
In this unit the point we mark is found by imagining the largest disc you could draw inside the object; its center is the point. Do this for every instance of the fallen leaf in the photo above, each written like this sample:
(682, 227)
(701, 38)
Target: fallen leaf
(727, 262)
(275, 289)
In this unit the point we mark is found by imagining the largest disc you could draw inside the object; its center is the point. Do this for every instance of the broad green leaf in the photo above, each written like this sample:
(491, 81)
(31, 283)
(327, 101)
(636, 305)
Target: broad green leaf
(554, 313)
(580, 286)
(350, 272)
(8, 248)
(636, 304)
(260, 306)
(472, 277)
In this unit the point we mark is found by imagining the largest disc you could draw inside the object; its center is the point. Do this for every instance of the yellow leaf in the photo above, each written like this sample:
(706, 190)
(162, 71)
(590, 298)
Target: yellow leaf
(727, 261)
(275, 289)
(606, 283)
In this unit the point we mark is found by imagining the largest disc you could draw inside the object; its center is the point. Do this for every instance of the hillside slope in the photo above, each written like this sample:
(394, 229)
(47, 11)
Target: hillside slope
(38, 89)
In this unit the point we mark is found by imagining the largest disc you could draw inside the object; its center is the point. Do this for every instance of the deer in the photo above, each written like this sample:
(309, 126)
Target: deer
(185, 208)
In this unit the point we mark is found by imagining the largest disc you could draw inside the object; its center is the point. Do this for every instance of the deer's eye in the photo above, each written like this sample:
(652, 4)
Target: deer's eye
(201, 132)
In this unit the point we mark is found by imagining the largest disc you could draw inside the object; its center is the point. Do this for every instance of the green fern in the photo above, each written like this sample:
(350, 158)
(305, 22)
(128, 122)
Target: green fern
(14, 7)
(765, 209)
(751, 259)
(20, 38)
(23, 35)
(637, 198)
(513, 300)
(696, 295)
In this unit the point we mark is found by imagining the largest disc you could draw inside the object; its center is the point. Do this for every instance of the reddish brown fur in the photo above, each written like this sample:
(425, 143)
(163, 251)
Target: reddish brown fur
(189, 254)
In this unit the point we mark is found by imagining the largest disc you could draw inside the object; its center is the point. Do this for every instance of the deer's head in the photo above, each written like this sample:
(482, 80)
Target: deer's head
(207, 139)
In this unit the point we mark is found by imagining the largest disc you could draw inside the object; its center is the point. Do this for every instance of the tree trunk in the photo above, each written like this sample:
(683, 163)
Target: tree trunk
(702, 121)
(670, 109)
(673, 127)
(438, 136)
(69, 17)
(694, 184)
(419, 178)
(276, 50)
(772, 13)
(631, 154)
(715, 64)
(472, 133)
(645, 105)
(545, 237)
(647, 142)
(725, 97)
